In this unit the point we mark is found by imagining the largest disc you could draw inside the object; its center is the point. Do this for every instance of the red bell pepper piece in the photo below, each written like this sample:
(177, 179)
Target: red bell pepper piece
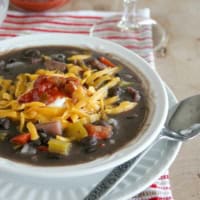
(21, 139)
(42, 148)
(100, 132)
(106, 62)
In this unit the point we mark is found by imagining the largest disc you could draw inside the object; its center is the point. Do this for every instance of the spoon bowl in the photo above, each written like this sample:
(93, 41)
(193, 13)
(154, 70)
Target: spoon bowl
(184, 123)
(186, 113)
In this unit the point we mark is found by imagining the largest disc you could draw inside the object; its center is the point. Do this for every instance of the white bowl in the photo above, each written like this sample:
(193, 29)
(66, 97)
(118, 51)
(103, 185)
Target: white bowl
(3, 9)
(152, 81)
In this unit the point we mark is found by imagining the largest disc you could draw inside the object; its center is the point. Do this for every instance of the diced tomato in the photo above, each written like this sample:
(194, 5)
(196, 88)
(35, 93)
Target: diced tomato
(25, 98)
(102, 145)
(106, 62)
(21, 139)
(38, 82)
(100, 132)
(69, 88)
(38, 5)
(47, 89)
(155, 198)
(42, 148)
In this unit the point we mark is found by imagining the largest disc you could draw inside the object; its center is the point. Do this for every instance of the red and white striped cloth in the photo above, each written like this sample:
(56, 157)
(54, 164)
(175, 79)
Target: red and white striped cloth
(80, 22)
(18, 23)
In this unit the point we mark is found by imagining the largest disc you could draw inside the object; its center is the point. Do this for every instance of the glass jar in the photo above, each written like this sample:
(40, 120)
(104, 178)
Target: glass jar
(38, 5)
(3, 9)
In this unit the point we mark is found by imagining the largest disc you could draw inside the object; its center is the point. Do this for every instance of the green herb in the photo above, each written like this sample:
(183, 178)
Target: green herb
(126, 83)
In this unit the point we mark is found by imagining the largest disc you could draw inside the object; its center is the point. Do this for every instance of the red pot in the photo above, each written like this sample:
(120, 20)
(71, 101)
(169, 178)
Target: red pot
(38, 5)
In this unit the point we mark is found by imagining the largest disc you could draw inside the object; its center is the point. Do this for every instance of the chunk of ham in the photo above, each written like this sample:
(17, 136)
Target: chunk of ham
(55, 65)
(52, 128)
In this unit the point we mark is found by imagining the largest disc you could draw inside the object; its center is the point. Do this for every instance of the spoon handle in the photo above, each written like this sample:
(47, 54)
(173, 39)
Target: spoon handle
(111, 180)
(107, 184)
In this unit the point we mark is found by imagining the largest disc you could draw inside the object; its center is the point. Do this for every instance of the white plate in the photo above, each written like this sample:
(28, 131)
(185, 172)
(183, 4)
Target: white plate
(151, 167)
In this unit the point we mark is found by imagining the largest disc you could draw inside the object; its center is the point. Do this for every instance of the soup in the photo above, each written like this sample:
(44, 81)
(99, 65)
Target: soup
(64, 105)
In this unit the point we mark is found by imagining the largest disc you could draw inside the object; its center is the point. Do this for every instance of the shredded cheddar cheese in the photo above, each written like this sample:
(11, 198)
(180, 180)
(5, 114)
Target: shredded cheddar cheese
(87, 104)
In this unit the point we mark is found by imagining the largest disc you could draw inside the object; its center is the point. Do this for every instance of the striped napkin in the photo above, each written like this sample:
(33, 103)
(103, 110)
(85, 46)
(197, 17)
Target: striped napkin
(80, 22)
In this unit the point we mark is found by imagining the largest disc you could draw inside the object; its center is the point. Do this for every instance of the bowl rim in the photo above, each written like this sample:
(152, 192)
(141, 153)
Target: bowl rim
(96, 44)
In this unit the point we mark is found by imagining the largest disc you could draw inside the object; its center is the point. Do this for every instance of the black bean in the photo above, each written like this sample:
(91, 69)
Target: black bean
(102, 123)
(42, 133)
(45, 140)
(132, 116)
(59, 57)
(15, 66)
(54, 156)
(134, 94)
(36, 143)
(36, 60)
(12, 60)
(94, 63)
(115, 91)
(89, 141)
(7, 70)
(32, 53)
(90, 149)
(34, 158)
(89, 144)
(2, 120)
(115, 125)
(5, 123)
(44, 137)
(55, 65)
(2, 65)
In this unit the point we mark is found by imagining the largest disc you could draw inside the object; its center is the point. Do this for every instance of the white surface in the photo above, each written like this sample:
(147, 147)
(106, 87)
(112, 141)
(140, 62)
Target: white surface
(3, 9)
(154, 84)
(151, 167)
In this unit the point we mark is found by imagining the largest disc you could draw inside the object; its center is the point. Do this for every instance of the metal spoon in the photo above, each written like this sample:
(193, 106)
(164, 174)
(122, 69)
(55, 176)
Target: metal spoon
(183, 124)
